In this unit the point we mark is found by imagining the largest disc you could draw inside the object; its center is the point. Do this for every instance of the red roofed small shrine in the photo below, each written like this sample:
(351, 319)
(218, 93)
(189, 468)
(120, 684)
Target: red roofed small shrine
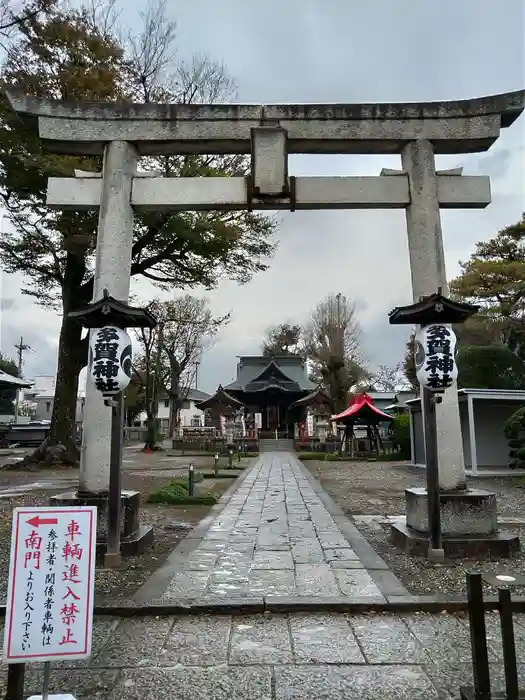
(361, 411)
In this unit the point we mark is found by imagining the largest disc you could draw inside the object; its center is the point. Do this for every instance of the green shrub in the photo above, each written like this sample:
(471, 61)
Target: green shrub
(400, 431)
(521, 454)
(167, 493)
(513, 453)
(515, 443)
(515, 425)
(176, 493)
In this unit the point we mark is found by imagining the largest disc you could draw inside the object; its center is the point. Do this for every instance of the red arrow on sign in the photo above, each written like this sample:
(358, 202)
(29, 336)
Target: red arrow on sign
(37, 520)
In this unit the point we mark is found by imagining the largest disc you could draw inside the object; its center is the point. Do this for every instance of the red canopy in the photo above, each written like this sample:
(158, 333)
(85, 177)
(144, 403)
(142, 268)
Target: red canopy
(362, 407)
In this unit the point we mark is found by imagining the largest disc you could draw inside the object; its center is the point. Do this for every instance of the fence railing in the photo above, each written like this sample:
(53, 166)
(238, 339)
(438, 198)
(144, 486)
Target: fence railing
(481, 689)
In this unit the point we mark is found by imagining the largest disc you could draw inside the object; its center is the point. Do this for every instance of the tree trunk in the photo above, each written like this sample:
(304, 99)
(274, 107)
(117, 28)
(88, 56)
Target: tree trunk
(60, 445)
(174, 394)
(174, 421)
(152, 430)
(71, 359)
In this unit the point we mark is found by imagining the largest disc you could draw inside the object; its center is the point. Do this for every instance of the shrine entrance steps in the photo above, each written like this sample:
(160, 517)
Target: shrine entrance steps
(276, 446)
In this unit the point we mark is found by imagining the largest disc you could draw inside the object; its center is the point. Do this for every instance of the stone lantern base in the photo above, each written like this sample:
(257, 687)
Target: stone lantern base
(134, 537)
(469, 525)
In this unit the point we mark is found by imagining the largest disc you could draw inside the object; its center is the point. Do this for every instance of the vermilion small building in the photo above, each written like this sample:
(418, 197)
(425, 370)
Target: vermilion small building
(361, 411)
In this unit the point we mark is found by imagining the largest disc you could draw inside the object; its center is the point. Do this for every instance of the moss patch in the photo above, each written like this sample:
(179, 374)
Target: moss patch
(176, 493)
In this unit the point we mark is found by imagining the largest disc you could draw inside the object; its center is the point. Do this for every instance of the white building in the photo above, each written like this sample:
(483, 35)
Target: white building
(190, 415)
(41, 397)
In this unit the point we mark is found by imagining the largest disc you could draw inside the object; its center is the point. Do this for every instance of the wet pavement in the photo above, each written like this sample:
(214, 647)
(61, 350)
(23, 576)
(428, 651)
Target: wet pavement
(279, 657)
(276, 537)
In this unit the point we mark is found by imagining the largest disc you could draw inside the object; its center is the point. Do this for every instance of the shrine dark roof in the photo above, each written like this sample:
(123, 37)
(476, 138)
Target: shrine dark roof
(286, 372)
(318, 397)
(7, 381)
(220, 398)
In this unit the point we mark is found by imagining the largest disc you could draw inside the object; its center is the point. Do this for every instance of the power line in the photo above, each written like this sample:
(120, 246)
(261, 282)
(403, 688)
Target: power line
(50, 364)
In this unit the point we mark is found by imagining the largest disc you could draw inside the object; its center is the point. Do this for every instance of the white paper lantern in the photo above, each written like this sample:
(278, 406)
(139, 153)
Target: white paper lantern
(435, 353)
(110, 360)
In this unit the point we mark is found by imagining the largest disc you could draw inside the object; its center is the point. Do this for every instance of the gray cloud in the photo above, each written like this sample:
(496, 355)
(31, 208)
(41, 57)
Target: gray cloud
(379, 51)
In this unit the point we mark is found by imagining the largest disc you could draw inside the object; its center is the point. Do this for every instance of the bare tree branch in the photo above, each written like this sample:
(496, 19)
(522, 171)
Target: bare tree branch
(105, 15)
(188, 330)
(152, 51)
(11, 17)
(388, 379)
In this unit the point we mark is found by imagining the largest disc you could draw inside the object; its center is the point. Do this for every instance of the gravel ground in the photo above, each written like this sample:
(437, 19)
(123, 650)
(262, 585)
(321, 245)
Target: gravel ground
(364, 489)
(143, 473)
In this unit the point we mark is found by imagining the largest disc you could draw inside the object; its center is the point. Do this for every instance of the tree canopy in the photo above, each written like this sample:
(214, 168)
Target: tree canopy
(77, 54)
(330, 341)
(494, 278)
(284, 339)
(489, 367)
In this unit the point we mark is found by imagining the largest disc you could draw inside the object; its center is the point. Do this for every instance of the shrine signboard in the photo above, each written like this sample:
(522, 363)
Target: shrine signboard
(49, 614)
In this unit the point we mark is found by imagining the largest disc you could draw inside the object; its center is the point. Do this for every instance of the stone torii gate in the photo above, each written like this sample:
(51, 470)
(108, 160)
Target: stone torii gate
(268, 133)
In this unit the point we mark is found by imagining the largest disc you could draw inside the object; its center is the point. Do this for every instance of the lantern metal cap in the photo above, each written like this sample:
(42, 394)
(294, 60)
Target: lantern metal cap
(435, 308)
(112, 312)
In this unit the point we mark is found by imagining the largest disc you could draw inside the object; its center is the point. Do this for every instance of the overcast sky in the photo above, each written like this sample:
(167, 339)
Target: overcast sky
(339, 51)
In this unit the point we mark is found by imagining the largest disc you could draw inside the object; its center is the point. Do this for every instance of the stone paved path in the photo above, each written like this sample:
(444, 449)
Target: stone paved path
(278, 657)
(275, 537)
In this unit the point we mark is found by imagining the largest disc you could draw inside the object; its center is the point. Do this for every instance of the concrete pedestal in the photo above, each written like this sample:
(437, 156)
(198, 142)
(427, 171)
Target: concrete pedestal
(468, 523)
(134, 537)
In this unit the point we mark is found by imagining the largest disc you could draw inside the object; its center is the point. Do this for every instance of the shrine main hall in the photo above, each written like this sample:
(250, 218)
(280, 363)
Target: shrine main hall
(278, 388)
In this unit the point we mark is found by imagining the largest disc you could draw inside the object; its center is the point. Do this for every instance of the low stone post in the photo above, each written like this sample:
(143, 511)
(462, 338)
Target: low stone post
(191, 480)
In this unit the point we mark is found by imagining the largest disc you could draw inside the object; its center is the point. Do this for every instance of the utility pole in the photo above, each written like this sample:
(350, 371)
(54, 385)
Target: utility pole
(197, 374)
(21, 349)
(156, 385)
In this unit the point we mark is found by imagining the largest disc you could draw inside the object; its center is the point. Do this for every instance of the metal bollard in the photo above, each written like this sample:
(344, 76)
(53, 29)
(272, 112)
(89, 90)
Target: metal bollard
(216, 464)
(480, 663)
(478, 639)
(191, 480)
(509, 645)
(238, 454)
(230, 458)
(478, 636)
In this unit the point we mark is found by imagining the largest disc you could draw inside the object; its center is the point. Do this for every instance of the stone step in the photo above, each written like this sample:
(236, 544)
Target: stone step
(276, 445)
